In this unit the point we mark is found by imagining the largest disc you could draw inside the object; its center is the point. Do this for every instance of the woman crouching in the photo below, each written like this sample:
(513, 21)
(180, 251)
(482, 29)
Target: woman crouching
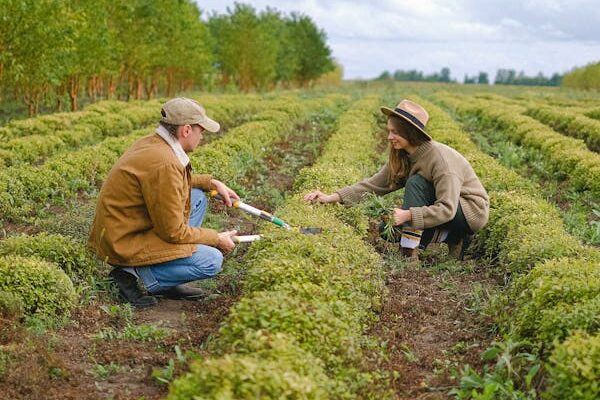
(444, 200)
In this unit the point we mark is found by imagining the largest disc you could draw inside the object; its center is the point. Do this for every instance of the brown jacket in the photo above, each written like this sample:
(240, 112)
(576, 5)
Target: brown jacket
(143, 208)
(454, 181)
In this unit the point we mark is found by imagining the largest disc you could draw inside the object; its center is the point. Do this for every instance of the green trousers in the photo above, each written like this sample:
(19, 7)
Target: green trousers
(419, 192)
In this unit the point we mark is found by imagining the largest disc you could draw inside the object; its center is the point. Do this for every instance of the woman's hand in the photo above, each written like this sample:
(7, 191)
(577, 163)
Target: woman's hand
(320, 197)
(401, 216)
(224, 191)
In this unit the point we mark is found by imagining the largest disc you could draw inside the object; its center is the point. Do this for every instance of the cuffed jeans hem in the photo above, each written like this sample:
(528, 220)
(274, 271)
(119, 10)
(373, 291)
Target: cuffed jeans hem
(204, 263)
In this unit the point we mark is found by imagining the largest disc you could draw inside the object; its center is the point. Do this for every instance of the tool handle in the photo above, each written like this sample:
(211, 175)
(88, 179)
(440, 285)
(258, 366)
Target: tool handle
(246, 238)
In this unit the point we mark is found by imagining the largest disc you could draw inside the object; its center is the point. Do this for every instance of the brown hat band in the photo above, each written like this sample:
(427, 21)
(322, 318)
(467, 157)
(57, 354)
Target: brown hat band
(411, 117)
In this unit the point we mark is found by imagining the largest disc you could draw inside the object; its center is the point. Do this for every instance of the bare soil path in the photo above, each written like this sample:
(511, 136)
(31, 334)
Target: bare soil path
(433, 320)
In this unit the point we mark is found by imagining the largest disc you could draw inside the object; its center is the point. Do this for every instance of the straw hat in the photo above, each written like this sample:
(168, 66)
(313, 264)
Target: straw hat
(412, 113)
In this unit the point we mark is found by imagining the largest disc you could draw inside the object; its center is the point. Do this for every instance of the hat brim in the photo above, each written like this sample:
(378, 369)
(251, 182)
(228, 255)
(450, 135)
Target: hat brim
(388, 111)
(210, 125)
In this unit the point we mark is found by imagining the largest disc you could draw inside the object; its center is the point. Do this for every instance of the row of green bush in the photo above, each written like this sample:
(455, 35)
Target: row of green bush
(138, 113)
(298, 331)
(556, 283)
(52, 123)
(43, 136)
(571, 123)
(28, 190)
(230, 157)
(593, 113)
(567, 155)
(67, 256)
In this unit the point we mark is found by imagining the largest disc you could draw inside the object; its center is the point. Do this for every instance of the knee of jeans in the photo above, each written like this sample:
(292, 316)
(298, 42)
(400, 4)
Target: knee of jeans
(198, 196)
(416, 182)
(216, 261)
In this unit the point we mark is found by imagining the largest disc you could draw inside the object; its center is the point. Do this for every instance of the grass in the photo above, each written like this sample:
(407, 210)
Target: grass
(103, 371)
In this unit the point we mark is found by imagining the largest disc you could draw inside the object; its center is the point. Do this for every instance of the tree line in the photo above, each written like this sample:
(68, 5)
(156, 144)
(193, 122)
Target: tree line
(503, 77)
(416, 76)
(511, 77)
(53, 52)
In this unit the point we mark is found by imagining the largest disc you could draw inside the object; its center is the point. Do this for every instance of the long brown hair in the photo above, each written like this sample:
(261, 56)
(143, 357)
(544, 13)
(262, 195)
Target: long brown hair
(398, 160)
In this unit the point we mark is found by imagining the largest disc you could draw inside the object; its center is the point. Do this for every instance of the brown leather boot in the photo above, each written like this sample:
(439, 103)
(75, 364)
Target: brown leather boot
(457, 250)
(411, 257)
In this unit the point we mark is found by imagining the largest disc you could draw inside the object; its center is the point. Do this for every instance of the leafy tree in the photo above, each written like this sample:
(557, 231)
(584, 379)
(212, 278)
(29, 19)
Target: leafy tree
(248, 52)
(483, 79)
(37, 38)
(587, 77)
(469, 80)
(445, 75)
(309, 43)
(93, 50)
(385, 75)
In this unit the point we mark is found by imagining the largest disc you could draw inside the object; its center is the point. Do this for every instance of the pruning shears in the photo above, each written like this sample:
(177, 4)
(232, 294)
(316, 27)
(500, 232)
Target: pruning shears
(265, 216)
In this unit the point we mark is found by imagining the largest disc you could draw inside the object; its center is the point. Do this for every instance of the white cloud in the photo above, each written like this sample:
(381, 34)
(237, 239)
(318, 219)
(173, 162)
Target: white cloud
(467, 36)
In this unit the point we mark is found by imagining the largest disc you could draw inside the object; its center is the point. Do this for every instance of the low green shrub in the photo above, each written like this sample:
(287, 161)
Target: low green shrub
(566, 154)
(536, 300)
(319, 327)
(274, 367)
(569, 122)
(64, 251)
(574, 369)
(559, 321)
(11, 306)
(44, 289)
(523, 231)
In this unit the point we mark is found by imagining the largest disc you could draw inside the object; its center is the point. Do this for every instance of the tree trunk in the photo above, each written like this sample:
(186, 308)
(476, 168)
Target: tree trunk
(112, 88)
(98, 87)
(170, 82)
(131, 86)
(32, 100)
(73, 91)
(225, 80)
(151, 86)
(92, 88)
(139, 92)
(60, 92)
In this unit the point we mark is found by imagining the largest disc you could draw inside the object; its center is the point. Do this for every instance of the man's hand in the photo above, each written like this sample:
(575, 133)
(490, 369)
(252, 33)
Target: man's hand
(224, 191)
(226, 243)
(320, 197)
(401, 216)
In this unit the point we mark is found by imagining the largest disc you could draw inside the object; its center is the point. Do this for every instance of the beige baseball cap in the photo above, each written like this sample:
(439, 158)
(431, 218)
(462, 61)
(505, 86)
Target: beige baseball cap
(183, 111)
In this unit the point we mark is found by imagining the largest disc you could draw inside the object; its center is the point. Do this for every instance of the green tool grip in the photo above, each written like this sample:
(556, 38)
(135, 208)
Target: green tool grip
(278, 222)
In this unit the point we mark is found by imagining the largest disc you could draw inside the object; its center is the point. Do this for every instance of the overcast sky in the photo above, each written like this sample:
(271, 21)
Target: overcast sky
(468, 36)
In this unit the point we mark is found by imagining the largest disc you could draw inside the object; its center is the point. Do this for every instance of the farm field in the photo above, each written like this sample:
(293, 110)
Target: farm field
(337, 315)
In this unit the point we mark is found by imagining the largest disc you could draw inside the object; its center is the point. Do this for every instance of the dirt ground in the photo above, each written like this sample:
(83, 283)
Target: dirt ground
(432, 320)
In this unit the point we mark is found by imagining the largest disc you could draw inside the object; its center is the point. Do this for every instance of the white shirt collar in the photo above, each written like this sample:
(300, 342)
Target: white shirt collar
(175, 145)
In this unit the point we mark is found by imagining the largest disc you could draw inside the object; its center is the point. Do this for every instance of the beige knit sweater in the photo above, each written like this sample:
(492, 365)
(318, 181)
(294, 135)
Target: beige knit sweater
(453, 179)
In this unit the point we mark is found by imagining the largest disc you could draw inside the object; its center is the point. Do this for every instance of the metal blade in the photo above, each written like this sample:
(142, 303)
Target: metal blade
(310, 231)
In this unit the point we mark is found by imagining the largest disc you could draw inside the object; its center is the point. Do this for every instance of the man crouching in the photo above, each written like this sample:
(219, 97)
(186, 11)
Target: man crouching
(151, 207)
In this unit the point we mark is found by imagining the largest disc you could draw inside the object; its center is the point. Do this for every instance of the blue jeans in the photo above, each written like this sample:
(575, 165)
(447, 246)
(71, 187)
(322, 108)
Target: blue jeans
(204, 263)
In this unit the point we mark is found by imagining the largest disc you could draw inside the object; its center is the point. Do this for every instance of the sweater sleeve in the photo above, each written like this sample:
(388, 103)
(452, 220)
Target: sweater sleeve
(378, 184)
(447, 192)
(163, 193)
